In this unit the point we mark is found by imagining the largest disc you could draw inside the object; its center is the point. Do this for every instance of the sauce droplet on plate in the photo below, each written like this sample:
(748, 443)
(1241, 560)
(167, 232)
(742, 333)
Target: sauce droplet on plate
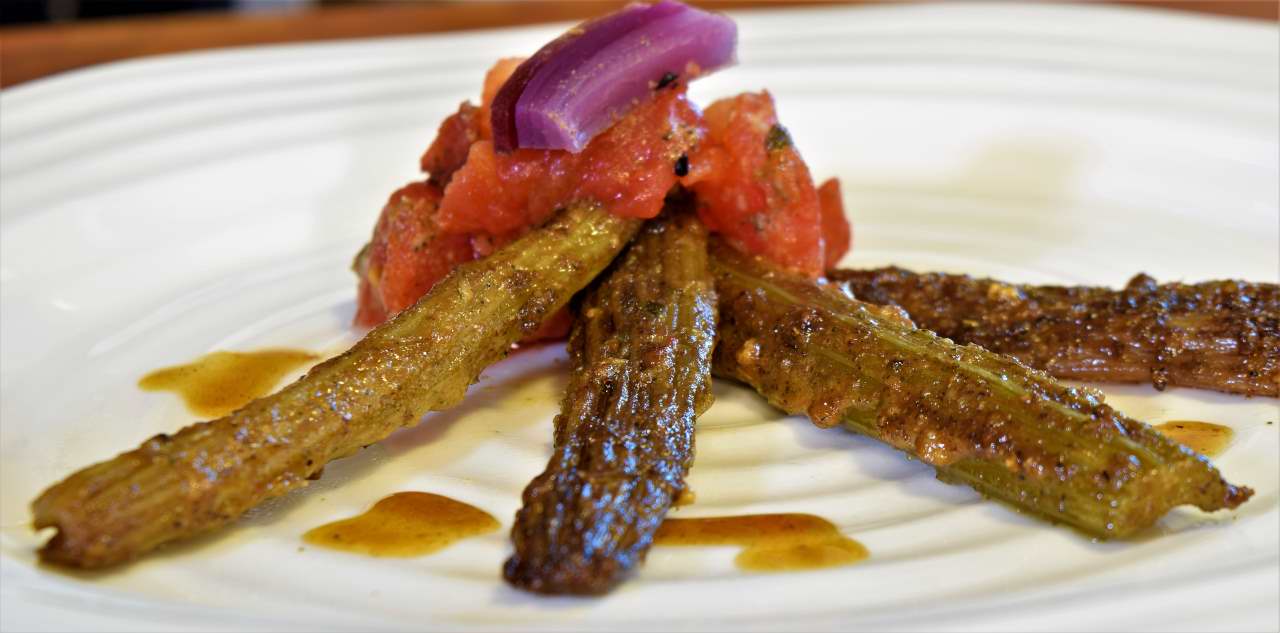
(405, 524)
(221, 382)
(771, 542)
(1206, 438)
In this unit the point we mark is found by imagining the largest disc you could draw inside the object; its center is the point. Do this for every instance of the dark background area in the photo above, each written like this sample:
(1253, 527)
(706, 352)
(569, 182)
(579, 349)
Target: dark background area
(13, 12)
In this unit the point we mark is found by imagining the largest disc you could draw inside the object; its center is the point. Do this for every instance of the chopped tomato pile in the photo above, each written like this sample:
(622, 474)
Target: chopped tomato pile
(749, 181)
(753, 188)
(408, 254)
(628, 169)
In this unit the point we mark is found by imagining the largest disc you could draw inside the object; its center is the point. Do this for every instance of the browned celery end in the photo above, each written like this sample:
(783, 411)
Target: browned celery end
(980, 418)
(208, 474)
(641, 352)
(1222, 335)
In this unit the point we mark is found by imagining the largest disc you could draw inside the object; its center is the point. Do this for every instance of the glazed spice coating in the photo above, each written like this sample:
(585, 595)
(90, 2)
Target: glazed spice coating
(210, 473)
(641, 352)
(1222, 335)
(979, 418)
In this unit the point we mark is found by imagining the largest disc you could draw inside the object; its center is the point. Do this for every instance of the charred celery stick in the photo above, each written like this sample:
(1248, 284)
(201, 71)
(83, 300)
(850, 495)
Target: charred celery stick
(641, 350)
(1222, 335)
(979, 418)
(208, 474)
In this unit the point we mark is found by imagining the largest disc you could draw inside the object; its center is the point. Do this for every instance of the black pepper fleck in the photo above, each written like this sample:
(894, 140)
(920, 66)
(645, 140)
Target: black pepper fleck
(778, 138)
(667, 80)
(682, 165)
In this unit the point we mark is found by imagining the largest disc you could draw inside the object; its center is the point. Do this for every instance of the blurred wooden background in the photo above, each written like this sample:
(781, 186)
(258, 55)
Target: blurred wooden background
(31, 51)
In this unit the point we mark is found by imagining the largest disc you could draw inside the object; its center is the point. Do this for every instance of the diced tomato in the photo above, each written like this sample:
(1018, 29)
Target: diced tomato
(448, 151)
(369, 309)
(469, 124)
(629, 169)
(752, 186)
(750, 182)
(407, 255)
(836, 234)
(492, 199)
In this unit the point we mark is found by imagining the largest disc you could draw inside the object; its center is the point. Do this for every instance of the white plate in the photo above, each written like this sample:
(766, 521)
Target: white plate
(159, 209)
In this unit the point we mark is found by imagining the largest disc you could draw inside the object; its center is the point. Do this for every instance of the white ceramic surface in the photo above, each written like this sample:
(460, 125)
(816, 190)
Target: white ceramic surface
(155, 210)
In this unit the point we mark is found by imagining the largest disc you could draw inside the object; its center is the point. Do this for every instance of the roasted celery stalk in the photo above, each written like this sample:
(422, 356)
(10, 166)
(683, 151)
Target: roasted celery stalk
(641, 349)
(982, 419)
(208, 474)
(1222, 335)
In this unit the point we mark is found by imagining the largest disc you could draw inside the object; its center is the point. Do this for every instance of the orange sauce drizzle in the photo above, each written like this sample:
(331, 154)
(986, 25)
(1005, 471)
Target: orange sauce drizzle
(221, 382)
(770, 542)
(405, 524)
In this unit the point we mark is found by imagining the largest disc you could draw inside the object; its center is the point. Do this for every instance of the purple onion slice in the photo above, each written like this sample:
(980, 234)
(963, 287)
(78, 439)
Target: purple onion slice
(580, 83)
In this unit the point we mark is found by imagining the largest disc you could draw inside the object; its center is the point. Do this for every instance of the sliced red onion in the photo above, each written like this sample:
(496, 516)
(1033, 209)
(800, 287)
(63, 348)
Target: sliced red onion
(576, 86)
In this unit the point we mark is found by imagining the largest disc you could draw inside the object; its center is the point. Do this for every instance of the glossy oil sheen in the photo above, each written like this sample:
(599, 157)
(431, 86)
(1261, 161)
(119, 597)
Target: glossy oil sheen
(405, 524)
(1206, 438)
(221, 382)
(770, 542)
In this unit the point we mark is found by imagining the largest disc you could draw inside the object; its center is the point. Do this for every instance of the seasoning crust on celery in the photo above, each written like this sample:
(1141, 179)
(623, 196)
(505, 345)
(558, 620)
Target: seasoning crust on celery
(210, 473)
(641, 351)
(980, 418)
(1222, 335)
